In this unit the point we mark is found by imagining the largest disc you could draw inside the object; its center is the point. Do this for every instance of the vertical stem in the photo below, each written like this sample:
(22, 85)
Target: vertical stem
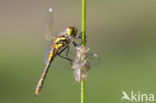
(83, 92)
(84, 22)
(83, 43)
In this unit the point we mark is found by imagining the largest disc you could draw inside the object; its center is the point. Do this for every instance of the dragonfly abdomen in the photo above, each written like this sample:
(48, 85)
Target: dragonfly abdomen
(42, 79)
(59, 43)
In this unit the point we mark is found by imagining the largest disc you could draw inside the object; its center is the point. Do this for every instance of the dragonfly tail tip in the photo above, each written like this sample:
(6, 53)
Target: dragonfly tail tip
(36, 95)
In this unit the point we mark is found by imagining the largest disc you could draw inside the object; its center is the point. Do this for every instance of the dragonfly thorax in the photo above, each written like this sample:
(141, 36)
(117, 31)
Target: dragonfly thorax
(62, 39)
(72, 31)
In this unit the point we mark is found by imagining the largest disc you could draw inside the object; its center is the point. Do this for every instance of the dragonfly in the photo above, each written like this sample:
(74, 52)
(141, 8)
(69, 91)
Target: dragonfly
(58, 44)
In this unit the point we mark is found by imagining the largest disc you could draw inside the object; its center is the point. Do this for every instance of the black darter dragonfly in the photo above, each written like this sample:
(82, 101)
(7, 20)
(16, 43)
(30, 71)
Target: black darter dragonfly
(57, 46)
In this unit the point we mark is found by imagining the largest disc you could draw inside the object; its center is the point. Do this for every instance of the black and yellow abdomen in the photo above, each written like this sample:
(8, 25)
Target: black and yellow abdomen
(52, 55)
(60, 41)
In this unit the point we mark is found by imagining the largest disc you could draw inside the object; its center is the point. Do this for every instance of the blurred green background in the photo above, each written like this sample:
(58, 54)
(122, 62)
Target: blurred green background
(123, 32)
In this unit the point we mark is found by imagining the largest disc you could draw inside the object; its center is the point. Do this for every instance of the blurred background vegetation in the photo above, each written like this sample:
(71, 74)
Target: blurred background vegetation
(123, 32)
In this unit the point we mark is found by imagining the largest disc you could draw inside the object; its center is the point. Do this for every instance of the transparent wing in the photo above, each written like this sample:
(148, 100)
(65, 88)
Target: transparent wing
(60, 63)
(93, 57)
(49, 31)
(50, 25)
(49, 48)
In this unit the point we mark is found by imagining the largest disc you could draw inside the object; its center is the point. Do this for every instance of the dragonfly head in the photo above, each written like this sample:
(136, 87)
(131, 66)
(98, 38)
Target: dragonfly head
(72, 31)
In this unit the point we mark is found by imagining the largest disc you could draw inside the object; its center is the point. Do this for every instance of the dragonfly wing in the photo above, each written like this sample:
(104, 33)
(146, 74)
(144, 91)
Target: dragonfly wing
(49, 25)
(48, 50)
(49, 32)
(93, 58)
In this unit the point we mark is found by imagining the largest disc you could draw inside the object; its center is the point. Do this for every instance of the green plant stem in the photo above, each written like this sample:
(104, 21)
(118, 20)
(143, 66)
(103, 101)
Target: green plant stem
(84, 22)
(84, 44)
(83, 92)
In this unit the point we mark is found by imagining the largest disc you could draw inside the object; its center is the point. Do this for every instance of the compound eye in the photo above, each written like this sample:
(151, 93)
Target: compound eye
(69, 31)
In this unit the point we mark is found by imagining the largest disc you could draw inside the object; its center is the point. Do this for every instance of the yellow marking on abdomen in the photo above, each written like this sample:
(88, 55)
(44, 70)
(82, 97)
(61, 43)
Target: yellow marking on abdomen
(43, 76)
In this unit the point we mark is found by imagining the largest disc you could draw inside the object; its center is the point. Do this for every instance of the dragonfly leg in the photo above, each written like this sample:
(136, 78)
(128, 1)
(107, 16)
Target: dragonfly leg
(62, 50)
(67, 52)
(66, 55)
(67, 47)
(66, 58)
(79, 36)
(75, 44)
